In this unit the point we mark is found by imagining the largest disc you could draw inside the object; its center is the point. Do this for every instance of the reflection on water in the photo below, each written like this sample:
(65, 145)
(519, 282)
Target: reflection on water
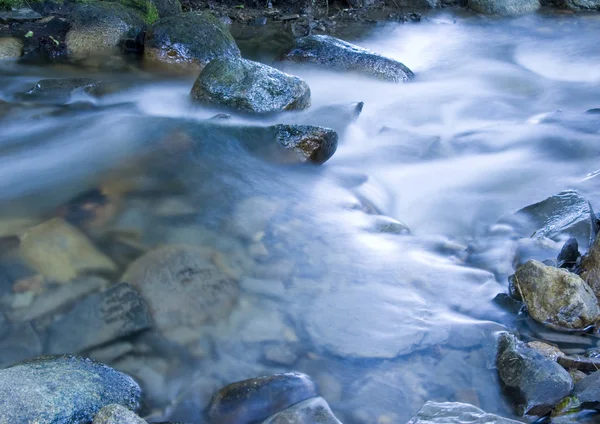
(382, 321)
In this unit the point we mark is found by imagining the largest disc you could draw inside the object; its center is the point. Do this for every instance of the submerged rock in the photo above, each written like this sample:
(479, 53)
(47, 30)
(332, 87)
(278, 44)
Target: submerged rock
(61, 252)
(23, 14)
(504, 7)
(10, 48)
(117, 414)
(62, 389)
(337, 116)
(18, 341)
(537, 382)
(56, 90)
(311, 411)
(249, 86)
(455, 412)
(587, 390)
(183, 287)
(99, 28)
(189, 41)
(258, 398)
(335, 54)
(555, 297)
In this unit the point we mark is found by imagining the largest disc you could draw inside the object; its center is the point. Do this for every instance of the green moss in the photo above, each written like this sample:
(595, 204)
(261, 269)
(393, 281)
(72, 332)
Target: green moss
(9, 4)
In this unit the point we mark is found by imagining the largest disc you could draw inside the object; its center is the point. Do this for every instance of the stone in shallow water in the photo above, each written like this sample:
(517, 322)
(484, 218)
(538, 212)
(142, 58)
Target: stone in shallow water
(374, 321)
(189, 41)
(10, 48)
(117, 414)
(258, 398)
(61, 252)
(582, 4)
(249, 86)
(98, 319)
(55, 90)
(540, 382)
(504, 7)
(311, 411)
(62, 389)
(335, 54)
(182, 287)
(555, 297)
(18, 341)
(19, 15)
(590, 267)
(336, 116)
(454, 412)
(587, 391)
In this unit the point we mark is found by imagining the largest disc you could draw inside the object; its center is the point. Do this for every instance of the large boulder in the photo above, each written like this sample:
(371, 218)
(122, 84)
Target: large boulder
(258, 398)
(555, 297)
(332, 53)
(62, 389)
(249, 86)
(455, 412)
(311, 411)
(504, 7)
(100, 28)
(537, 382)
(188, 41)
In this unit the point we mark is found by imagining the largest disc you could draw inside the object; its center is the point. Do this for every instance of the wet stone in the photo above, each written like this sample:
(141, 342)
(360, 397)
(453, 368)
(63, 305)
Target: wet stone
(249, 86)
(336, 116)
(569, 254)
(18, 341)
(56, 91)
(582, 4)
(311, 411)
(504, 7)
(116, 414)
(62, 389)
(332, 53)
(61, 252)
(19, 15)
(99, 318)
(10, 48)
(454, 412)
(258, 398)
(538, 383)
(590, 267)
(587, 390)
(555, 297)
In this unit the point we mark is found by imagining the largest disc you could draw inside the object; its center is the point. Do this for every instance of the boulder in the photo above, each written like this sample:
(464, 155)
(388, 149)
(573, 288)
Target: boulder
(569, 254)
(100, 28)
(311, 411)
(98, 319)
(337, 55)
(248, 86)
(581, 4)
(587, 390)
(62, 389)
(256, 399)
(10, 48)
(504, 7)
(537, 382)
(117, 414)
(555, 297)
(183, 287)
(455, 412)
(61, 252)
(188, 41)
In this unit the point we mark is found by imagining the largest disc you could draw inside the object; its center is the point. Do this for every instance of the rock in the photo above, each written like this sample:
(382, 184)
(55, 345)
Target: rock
(311, 411)
(337, 55)
(581, 4)
(258, 398)
(587, 391)
(18, 341)
(98, 319)
(555, 297)
(249, 86)
(61, 252)
(182, 287)
(590, 267)
(20, 15)
(454, 412)
(504, 7)
(99, 28)
(337, 116)
(547, 350)
(302, 143)
(569, 254)
(167, 8)
(117, 414)
(56, 90)
(62, 389)
(189, 41)
(10, 48)
(540, 382)
(405, 322)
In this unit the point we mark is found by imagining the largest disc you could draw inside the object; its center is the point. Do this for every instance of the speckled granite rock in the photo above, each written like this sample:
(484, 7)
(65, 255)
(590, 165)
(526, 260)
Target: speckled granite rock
(117, 414)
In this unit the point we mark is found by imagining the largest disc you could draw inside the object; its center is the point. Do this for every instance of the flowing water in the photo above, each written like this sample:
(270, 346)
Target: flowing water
(382, 321)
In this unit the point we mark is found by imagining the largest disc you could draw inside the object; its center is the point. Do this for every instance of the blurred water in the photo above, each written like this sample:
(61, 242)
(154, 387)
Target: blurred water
(383, 322)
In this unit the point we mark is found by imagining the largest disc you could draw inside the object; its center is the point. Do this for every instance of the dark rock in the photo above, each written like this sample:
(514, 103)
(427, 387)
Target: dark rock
(555, 297)
(311, 411)
(581, 4)
(258, 398)
(305, 143)
(337, 116)
(250, 87)
(98, 319)
(335, 54)
(100, 28)
(18, 341)
(117, 414)
(504, 7)
(590, 267)
(188, 41)
(167, 8)
(56, 91)
(19, 15)
(587, 391)
(569, 254)
(10, 48)
(537, 382)
(62, 389)
(454, 412)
